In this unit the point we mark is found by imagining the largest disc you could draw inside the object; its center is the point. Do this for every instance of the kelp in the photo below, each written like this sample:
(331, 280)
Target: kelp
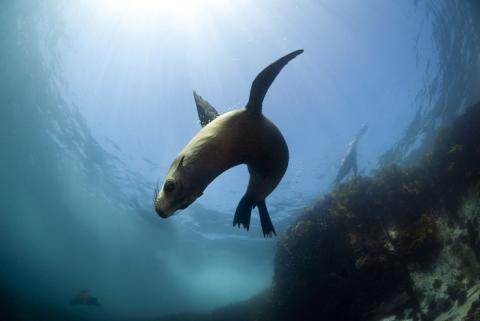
(350, 256)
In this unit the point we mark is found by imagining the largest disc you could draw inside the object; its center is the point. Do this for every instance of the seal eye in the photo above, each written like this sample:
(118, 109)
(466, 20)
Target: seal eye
(169, 186)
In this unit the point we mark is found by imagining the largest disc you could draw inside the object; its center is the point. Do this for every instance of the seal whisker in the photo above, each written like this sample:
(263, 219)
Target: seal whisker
(156, 190)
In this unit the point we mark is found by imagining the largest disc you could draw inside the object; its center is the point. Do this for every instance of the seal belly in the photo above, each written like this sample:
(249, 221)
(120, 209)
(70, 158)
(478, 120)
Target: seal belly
(268, 161)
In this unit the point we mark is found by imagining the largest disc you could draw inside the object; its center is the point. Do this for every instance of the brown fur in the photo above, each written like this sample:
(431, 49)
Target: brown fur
(234, 138)
(242, 136)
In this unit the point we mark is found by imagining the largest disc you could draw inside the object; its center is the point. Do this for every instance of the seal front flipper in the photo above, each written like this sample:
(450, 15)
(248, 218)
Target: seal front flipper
(267, 226)
(263, 81)
(243, 212)
(206, 112)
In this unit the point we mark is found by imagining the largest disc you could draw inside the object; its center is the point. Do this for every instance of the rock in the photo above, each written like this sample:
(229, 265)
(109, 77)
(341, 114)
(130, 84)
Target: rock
(401, 245)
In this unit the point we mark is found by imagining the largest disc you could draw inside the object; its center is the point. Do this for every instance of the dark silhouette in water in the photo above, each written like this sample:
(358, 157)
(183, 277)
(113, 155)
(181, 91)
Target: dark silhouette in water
(85, 298)
(349, 162)
(241, 136)
(206, 112)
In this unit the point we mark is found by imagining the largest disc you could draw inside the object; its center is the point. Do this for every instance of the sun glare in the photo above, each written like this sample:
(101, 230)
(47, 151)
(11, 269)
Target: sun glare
(184, 12)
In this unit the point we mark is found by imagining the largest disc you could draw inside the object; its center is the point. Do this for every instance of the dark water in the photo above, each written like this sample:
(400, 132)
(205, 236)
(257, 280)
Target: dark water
(74, 215)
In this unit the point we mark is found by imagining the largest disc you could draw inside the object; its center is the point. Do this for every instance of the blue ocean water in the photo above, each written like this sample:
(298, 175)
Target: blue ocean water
(96, 101)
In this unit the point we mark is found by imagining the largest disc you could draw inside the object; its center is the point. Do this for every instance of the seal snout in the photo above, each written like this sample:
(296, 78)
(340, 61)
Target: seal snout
(161, 213)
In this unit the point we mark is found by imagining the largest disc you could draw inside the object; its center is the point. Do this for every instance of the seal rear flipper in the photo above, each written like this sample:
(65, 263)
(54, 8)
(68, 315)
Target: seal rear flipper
(244, 212)
(267, 226)
(263, 81)
(206, 112)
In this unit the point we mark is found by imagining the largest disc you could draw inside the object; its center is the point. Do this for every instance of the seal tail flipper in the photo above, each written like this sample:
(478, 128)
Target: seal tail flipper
(267, 226)
(244, 212)
(263, 81)
(206, 112)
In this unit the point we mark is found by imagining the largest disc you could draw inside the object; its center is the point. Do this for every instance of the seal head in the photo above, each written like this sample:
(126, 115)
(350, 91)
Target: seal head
(177, 192)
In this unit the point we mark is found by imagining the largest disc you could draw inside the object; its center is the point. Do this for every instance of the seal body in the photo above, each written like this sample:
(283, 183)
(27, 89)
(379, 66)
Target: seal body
(241, 136)
(349, 162)
(238, 137)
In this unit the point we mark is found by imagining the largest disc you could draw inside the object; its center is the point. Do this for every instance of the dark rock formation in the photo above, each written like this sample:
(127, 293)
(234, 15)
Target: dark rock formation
(366, 250)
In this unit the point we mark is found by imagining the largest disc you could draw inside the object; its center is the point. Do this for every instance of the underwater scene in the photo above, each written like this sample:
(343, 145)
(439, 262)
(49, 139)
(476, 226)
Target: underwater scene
(209, 160)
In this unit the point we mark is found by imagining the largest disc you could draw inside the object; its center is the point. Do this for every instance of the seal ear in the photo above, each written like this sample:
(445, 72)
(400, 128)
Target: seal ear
(263, 81)
(180, 163)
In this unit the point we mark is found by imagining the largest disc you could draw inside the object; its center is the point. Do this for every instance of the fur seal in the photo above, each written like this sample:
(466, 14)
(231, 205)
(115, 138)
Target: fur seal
(85, 298)
(240, 136)
(349, 162)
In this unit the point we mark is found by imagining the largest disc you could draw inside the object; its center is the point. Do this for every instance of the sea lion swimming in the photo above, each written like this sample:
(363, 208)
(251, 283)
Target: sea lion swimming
(240, 136)
(349, 162)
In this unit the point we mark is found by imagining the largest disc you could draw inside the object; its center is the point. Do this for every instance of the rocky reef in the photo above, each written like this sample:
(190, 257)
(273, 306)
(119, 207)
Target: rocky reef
(400, 245)
(403, 244)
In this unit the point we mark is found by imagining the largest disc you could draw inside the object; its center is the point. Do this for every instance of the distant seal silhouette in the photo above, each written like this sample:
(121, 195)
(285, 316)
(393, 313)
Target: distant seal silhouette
(349, 162)
(85, 298)
(241, 136)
